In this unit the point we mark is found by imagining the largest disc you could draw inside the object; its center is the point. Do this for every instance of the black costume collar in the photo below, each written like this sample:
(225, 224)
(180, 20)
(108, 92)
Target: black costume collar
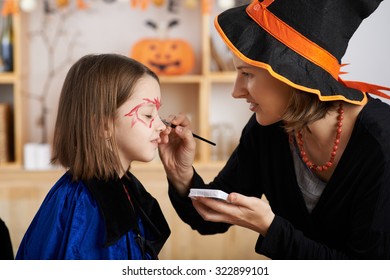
(119, 214)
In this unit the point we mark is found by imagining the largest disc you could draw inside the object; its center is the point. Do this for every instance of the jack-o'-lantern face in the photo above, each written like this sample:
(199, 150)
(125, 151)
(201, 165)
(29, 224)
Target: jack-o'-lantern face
(165, 56)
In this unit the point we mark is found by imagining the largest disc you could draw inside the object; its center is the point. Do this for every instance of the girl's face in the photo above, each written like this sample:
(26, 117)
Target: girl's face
(267, 96)
(137, 123)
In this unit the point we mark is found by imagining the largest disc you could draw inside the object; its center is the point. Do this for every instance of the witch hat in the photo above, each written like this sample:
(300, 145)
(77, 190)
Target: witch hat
(300, 42)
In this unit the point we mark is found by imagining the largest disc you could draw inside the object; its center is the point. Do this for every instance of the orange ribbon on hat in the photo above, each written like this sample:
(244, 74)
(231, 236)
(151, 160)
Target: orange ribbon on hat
(292, 38)
(366, 87)
(311, 51)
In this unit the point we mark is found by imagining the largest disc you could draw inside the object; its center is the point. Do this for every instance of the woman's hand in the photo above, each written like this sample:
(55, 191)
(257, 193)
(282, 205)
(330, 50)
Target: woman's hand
(249, 212)
(177, 152)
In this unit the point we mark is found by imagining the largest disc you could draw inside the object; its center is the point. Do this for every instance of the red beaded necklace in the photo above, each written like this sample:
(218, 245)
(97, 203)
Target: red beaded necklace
(329, 163)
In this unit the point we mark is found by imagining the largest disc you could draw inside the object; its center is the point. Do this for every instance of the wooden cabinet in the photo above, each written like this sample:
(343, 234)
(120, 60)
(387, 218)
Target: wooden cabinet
(10, 94)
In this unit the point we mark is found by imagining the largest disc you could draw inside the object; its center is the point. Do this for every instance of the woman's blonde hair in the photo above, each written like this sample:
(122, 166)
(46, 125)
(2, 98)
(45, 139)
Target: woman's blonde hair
(94, 88)
(304, 108)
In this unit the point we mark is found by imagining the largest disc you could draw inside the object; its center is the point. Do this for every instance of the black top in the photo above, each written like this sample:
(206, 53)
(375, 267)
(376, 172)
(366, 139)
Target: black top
(6, 251)
(352, 216)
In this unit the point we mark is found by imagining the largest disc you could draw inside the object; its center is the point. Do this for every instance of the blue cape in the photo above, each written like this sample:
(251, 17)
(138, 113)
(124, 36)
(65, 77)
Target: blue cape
(95, 220)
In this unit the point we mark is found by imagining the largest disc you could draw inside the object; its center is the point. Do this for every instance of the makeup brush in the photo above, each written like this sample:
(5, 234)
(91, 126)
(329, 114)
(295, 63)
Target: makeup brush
(193, 134)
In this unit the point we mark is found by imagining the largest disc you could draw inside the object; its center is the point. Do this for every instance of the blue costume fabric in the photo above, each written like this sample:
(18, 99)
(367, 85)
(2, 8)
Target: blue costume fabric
(96, 220)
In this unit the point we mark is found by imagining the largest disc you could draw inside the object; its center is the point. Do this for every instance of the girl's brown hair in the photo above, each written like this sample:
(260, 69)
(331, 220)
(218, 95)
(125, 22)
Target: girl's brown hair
(94, 88)
(304, 108)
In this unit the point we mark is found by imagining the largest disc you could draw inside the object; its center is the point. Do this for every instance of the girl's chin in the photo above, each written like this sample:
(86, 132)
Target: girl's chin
(152, 156)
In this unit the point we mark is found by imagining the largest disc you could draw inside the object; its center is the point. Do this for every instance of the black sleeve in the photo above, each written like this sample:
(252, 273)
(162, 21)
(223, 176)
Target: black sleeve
(237, 175)
(283, 241)
(6, 252)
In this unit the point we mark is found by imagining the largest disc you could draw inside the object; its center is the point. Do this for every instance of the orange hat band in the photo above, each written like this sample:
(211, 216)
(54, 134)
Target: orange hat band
(292, 38)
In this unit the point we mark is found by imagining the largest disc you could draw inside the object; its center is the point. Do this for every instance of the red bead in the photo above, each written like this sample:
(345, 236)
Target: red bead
(328, 164)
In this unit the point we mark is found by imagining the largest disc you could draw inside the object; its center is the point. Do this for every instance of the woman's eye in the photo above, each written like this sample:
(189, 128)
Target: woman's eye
(149, 116)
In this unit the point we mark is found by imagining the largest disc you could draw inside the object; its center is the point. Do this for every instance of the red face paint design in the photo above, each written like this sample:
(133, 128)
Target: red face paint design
(135, 111)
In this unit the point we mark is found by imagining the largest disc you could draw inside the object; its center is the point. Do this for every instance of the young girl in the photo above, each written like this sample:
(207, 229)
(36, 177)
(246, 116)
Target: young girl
(107, 118)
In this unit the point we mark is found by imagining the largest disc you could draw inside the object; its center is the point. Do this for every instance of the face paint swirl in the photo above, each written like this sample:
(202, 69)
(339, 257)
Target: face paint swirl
(147, 103)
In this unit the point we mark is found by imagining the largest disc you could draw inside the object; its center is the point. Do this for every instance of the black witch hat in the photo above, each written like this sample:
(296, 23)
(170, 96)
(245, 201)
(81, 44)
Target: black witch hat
(300, 42)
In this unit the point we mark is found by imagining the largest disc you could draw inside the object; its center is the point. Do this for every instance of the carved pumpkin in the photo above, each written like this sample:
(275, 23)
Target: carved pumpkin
(164, 56)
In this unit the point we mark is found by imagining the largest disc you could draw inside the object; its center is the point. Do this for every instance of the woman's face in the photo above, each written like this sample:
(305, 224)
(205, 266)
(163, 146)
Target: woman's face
(137, 123)
(267, 96)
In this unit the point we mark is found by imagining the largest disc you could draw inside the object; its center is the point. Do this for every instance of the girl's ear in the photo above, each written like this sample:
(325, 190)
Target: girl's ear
(108, 129)
(108, 134)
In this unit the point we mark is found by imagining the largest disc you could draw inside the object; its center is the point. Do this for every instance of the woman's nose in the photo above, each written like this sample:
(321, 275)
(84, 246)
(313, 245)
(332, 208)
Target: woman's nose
(238, 90)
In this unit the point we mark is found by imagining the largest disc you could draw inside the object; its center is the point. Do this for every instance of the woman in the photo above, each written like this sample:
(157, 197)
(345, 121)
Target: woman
(317, 147)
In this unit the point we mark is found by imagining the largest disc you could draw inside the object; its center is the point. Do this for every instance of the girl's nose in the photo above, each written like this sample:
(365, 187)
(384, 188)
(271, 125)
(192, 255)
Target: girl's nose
(160, 125)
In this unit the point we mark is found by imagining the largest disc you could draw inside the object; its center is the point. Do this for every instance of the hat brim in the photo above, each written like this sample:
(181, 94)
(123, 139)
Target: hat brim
(252, 44)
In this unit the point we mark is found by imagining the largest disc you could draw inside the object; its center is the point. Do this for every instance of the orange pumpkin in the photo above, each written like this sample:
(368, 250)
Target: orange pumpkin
(165, 56)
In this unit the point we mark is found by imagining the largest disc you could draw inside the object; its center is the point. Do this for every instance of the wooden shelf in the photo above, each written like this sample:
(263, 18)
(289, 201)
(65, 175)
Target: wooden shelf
(10, 166)
(13, 79)
(8, 78)
(181, 79)
(222, 77)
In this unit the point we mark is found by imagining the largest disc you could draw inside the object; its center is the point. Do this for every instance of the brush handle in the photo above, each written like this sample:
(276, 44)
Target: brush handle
(193, 134)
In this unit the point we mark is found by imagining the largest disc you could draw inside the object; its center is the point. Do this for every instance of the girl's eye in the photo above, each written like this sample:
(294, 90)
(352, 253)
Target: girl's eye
(149, 116)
